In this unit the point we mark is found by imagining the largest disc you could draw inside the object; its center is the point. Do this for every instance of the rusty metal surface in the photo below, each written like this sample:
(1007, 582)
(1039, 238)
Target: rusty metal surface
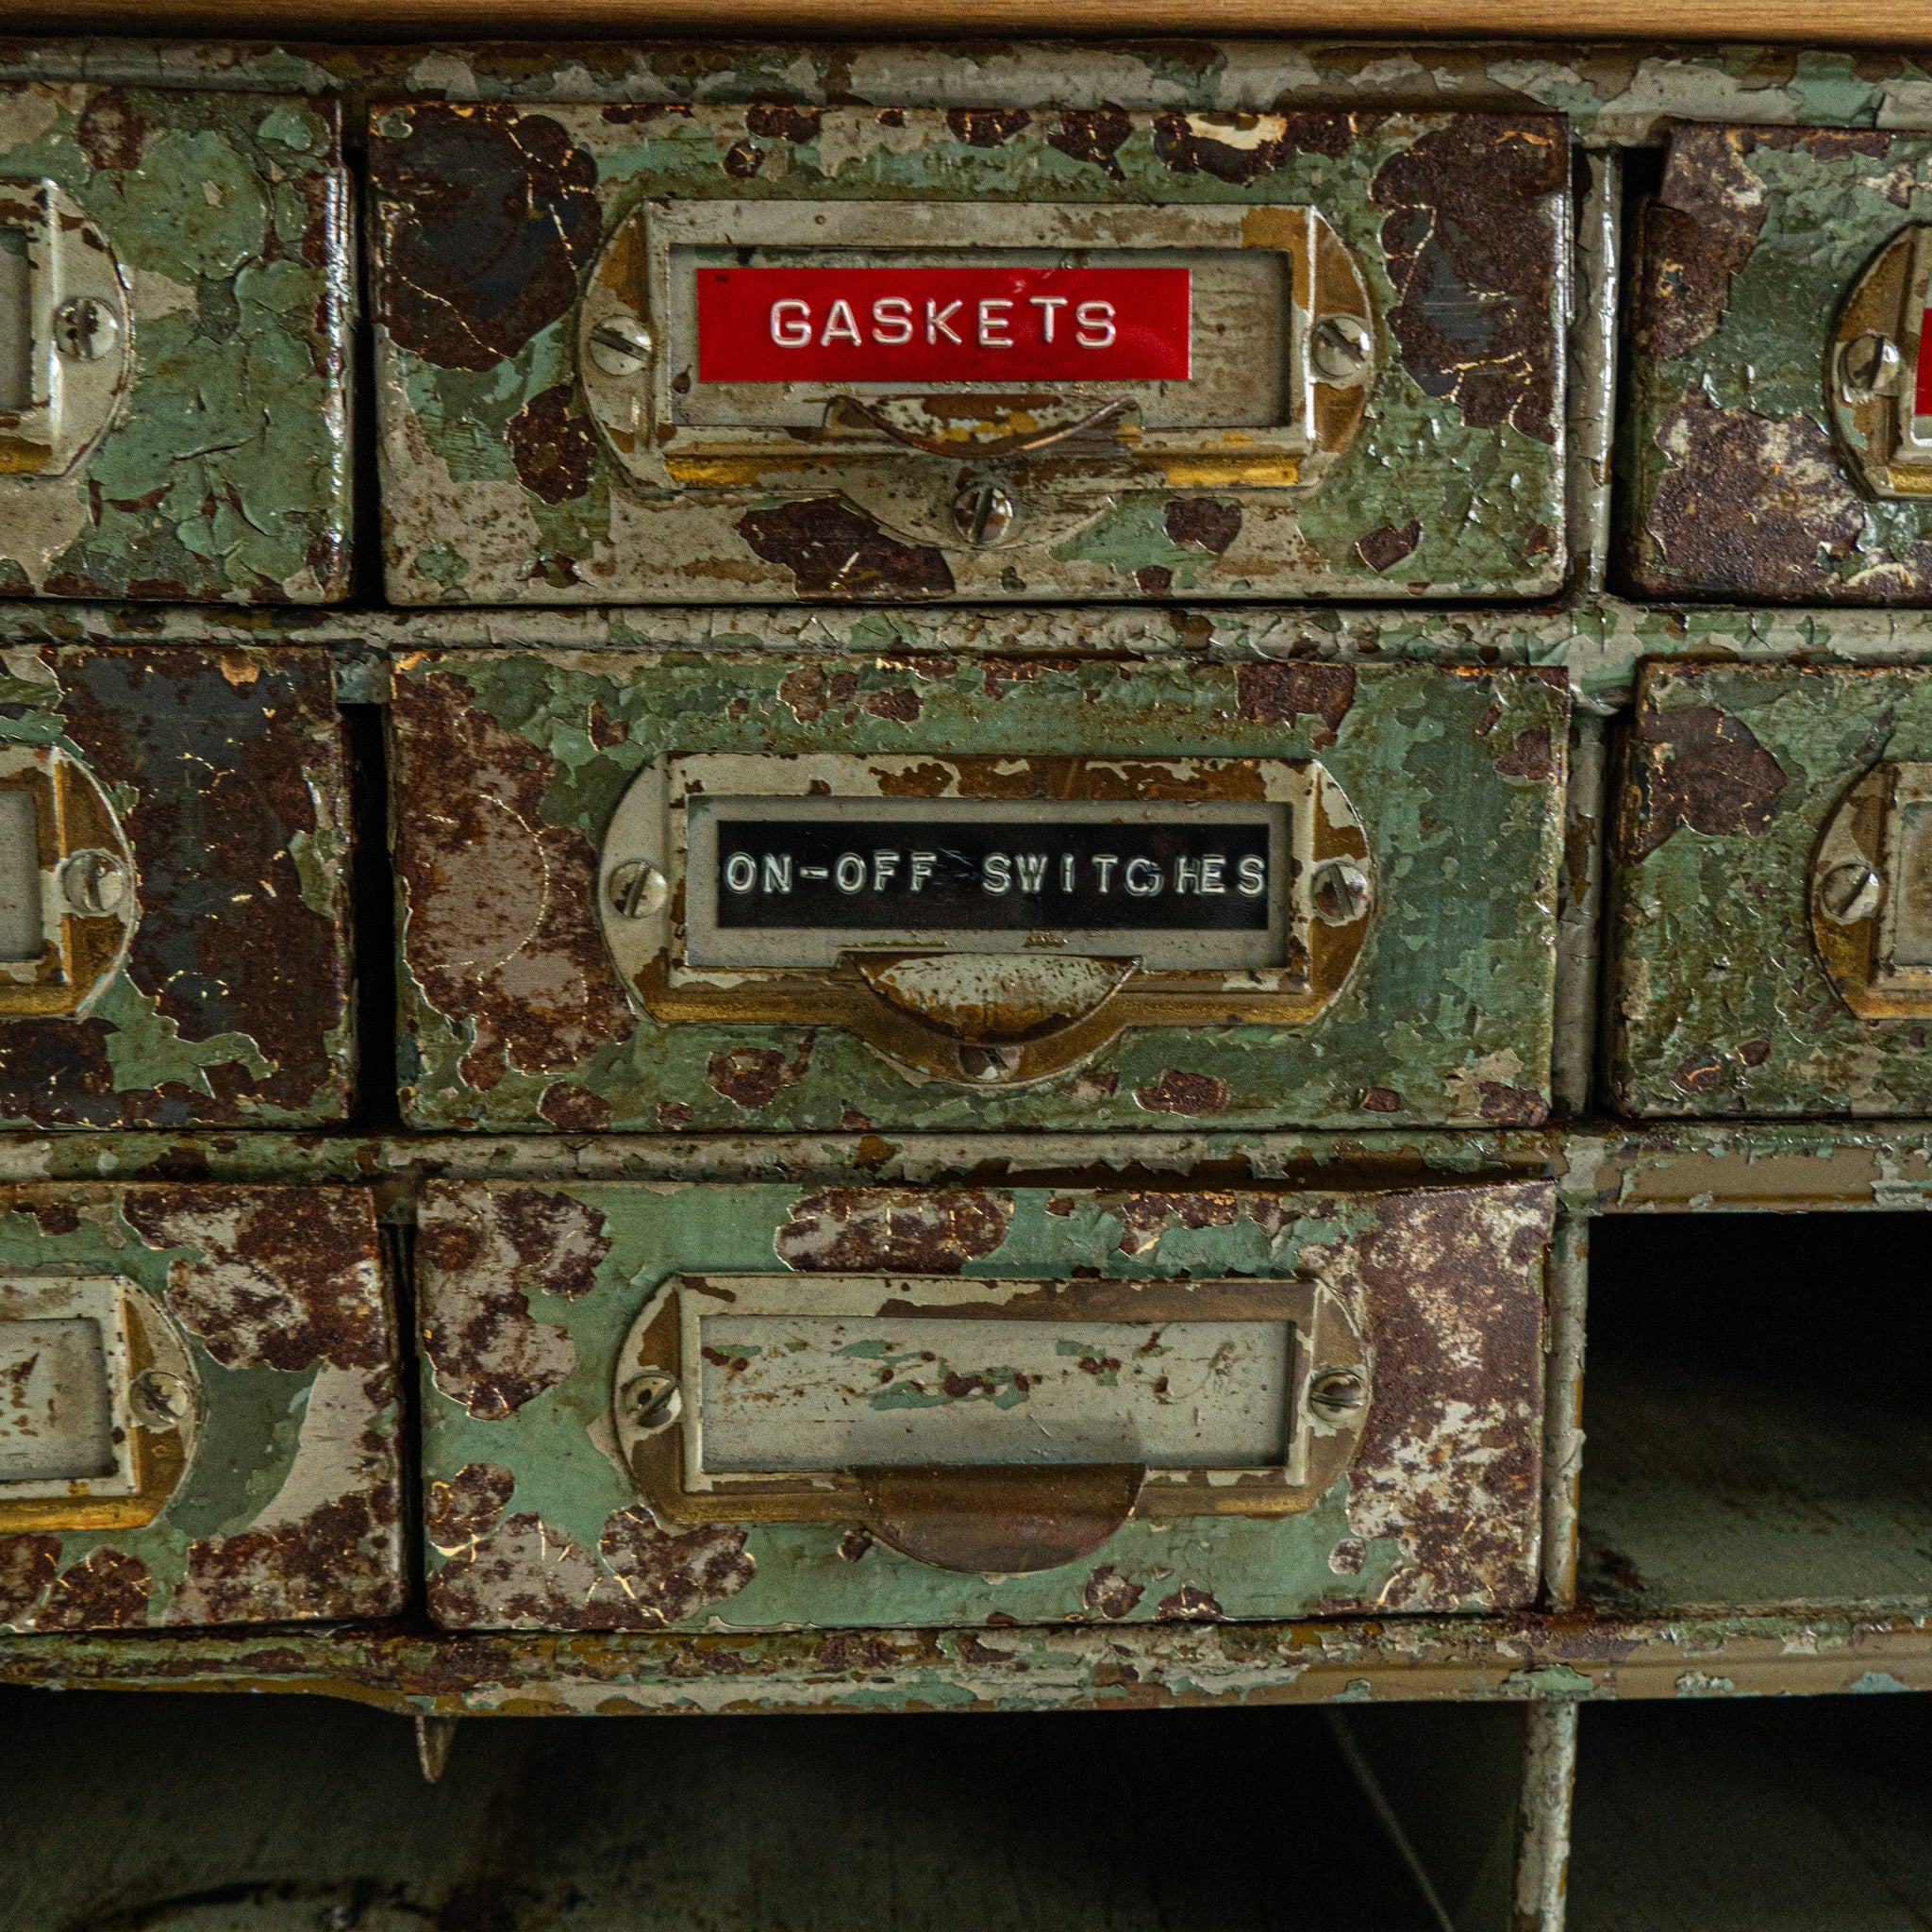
(501, 487)
(1757, 237)
(1722, 1000)
(230, 1005)
(508, 767)
(225, 473)
(288, 1508)
(1054, 1666)
(529, 1291)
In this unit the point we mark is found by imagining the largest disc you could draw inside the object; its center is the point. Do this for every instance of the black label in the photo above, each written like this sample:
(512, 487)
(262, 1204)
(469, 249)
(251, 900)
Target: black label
(989, 875)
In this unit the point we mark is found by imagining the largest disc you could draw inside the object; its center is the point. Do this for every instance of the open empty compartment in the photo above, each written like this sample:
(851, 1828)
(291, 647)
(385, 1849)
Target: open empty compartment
(1758, 1412)
(1807, 1815)
(258, 1815)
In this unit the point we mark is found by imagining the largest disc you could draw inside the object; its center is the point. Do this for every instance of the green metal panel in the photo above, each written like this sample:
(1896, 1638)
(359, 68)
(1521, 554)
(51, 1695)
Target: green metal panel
(215, 465)
(509, 766)
(266, 1318)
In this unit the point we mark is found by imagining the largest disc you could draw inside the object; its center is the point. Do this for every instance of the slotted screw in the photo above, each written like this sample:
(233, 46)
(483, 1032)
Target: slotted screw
(1339, 347)
(1849, 891)
(1338, 1390)
(620, 344)
(983, 513)
(1339, 891)
(638, 888)
(1868, 366)
(95, 884)
(653, 1399)
(84, 329)
(163, 1400)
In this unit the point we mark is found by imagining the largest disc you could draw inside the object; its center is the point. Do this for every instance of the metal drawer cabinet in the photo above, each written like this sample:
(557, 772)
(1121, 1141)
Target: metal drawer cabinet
(1772, 921)
(198, 1411)
(758, 1406)
(174, 335)
(747, 890)
(173, 849)
(756, 354)
(1780, 436)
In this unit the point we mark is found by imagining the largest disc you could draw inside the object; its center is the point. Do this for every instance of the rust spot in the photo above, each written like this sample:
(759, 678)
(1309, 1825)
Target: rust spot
(853, 1545)
(54, 1217)
(1699, 1074)
(833, 550)
(502, 933)
(1530, 756)
(1754, 1053)
(27, 1568)
(109, 132)
(1202, 521)
(1381, 1100)
(1750, 506)
(1385, 546)
(1511, 1107)
(1095, 135)
(1181, 1092)
(808, 693)
(279, 1277)
(1450, 1456)
(1468, 244)
(553, 447)
(1188, 1605)
(987, 126)
(485, 1348)
(1697, 766)
(1153, 580)
(674, 1115)
(897, 1230)
(492, 218)
(467, 1506)
(779, 121)
(1108, 1593)
(744, 162)
(902, 705)
(752, 1076)
(1281, 692)
(1145, 1217)
(336, 1561)
(108, 1590)
(576, 1110)
(1694, 238)
(529, 1575)
(1186, 143)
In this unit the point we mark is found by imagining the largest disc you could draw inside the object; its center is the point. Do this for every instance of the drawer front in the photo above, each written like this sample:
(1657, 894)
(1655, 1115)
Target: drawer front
(198, 1414)
(1771, 917)
(764, 354)
(172, 850)
(751, 1406)
(174, 338)
(1780, 441)
(786, 895)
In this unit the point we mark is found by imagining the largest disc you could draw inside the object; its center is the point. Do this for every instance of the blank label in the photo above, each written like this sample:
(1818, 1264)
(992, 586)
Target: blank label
(20, 935)
(801, 1391)
(55, 1408)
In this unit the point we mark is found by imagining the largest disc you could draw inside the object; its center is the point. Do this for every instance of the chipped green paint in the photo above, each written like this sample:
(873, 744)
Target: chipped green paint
(224, 475)
(286, 1507)
(1720, 1004)
(1456, 777)
(500, 486)
(527, 1293)
(1751, 250)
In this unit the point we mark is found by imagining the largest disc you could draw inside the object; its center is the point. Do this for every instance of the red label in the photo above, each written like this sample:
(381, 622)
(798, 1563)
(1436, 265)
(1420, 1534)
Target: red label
(1924, 405)
(943, 325)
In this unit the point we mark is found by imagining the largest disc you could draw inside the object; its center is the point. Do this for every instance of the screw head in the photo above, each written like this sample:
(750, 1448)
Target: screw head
(653, 1399)
(1869, 366)
(988, 1062)
(85, 329)
(1849, 893)
(161, 1400)
(638, 888)
(620, 344)
(1337, 1391)
(1339, 890)
(983, 513)
(95, 884)
(1339, 347)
